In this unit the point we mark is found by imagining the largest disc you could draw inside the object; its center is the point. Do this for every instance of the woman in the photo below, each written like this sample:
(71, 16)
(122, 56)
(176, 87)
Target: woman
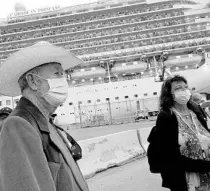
(183, 139)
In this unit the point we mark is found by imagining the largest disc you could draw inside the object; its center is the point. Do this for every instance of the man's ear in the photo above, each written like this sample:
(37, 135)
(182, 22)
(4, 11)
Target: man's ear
(32, 82)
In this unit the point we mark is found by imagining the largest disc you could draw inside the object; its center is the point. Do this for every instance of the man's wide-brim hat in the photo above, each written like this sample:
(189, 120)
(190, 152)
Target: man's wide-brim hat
(28, 58)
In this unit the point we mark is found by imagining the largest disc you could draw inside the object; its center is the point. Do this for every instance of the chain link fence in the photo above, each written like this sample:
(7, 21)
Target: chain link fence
(119, 112)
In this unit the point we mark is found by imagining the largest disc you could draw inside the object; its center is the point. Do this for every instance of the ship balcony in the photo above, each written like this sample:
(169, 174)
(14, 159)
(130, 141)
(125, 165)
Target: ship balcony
(77, 19)
(181, 61)
(85, 73)
(125, 41)
(82, 12)
(178, 47)
(85, 28)
(129, 67)
(150, 50)
(42, 33)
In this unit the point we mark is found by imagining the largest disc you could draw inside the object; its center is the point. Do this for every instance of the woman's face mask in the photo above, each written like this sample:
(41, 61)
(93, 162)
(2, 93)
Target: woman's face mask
(182, 97)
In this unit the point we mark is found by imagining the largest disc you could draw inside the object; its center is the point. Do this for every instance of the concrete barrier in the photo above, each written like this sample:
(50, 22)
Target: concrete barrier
(107, 151)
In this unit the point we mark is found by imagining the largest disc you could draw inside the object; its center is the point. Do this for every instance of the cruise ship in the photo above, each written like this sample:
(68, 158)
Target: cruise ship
(125, 44)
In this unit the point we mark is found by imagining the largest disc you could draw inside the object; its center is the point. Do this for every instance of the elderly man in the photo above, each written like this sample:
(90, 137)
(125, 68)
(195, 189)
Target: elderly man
(34, 155)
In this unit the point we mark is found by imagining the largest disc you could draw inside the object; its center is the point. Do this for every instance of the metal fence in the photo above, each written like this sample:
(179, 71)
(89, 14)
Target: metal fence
(117, 112)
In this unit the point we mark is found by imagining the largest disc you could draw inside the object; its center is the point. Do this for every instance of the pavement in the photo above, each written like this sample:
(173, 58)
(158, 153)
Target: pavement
(88, 133)
(134, 176)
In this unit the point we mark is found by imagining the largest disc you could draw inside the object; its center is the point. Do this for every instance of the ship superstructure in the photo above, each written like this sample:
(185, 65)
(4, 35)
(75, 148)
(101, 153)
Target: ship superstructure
(124, 46)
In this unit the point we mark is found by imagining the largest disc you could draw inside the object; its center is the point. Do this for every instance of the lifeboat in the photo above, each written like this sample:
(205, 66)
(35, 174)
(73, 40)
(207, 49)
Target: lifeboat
(183, 60)
(130, 67)
(88, 73)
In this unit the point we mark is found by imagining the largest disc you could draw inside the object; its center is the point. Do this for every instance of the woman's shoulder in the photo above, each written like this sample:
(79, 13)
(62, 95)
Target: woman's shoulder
(166, 118)
(165, 114)
(200, 113)
(166, 123)
(194, 107)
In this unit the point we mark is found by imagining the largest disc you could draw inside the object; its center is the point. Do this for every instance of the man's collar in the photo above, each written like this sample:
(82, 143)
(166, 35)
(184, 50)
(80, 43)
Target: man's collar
(24, 103)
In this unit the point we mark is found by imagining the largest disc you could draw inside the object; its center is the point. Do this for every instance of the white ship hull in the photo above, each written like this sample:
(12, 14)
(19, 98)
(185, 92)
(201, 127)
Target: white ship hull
(118, 100)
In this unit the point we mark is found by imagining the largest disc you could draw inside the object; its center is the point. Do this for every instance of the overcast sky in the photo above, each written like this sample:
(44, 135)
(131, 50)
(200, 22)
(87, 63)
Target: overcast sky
(7, 6)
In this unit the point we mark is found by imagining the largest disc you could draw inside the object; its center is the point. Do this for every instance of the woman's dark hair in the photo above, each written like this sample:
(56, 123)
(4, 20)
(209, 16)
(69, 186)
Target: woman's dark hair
(166, 100)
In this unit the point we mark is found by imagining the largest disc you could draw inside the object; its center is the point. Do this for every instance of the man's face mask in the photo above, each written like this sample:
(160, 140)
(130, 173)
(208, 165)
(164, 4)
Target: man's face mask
(182, 97)
(58, 91)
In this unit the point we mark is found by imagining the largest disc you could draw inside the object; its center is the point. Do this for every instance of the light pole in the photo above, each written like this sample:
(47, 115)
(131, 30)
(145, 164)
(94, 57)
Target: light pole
(107, 65)
(163, 57)
(143, 59)
(102, 64)
(108, 71)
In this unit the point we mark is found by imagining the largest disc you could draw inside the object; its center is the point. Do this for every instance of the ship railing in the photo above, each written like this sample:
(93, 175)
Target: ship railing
(150, 53)
(84, 31)
(22, 32)
(75, 14)
(143, 51)
(73, 32)
(133, 32)
(122, 42)
(145, 39)
(91, 22)
(124, 33)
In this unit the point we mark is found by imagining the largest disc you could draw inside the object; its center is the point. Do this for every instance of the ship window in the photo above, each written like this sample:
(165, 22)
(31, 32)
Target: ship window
(136, 95)
(107, 99)
(70, 103)
(154, 93)
(117, 98)
(145, 94)
(89, 101)
(8, 102)
(98, 100)
(126, 97)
